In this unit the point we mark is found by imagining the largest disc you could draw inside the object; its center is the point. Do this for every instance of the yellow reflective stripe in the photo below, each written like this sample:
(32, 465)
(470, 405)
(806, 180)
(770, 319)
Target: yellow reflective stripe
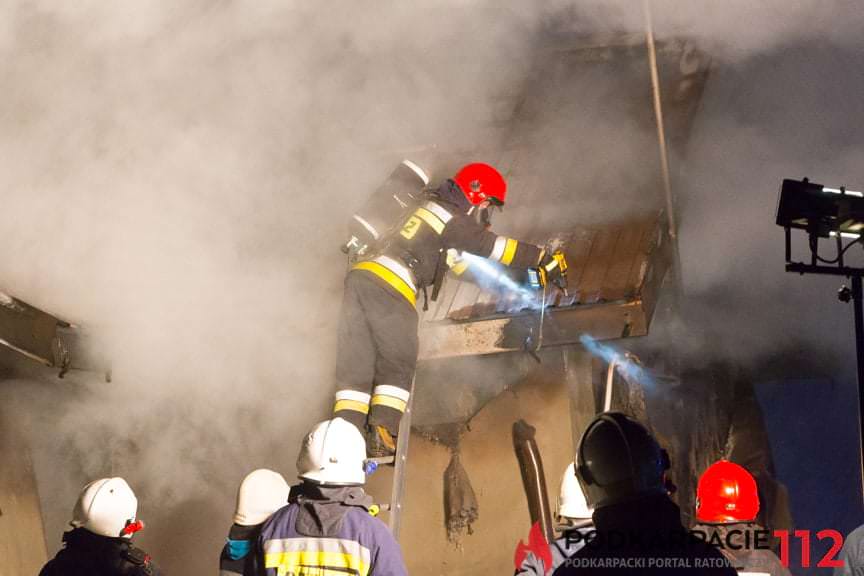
(434, 221)
(509, 251)
(460, 267)
(354, 405)
(395, 403)
(391, 278)
(315, 562)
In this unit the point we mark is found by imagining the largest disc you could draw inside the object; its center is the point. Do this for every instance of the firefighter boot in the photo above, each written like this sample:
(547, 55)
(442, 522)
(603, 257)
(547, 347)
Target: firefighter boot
(379, 442)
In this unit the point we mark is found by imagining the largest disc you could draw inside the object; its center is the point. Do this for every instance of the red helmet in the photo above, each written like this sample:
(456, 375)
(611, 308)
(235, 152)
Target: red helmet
(481, 182)
(726, 494)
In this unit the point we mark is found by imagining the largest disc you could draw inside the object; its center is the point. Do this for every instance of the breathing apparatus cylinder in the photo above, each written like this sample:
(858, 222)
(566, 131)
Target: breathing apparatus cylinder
(385, 209)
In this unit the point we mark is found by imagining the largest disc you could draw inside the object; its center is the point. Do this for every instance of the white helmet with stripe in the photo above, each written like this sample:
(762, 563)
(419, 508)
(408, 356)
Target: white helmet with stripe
(261, 493)
(106, 507)
(333, 454)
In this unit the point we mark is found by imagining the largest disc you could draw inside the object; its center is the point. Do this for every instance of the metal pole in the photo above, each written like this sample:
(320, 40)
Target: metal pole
(859, 349)
(661, 142)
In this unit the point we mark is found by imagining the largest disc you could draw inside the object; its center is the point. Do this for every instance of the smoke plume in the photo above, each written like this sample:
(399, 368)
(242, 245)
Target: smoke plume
(177, 178)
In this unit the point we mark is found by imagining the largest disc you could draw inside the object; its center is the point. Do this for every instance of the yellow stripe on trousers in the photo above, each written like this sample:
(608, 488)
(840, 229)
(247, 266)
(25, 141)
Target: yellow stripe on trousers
(390, 277)
(354, 405)
(395, 403)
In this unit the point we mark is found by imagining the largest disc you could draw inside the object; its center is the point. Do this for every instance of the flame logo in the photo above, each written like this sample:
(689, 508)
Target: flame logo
(537, 545)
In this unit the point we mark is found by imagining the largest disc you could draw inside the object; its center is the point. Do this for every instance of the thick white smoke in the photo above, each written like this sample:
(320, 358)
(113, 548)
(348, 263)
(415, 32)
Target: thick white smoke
(177, 176)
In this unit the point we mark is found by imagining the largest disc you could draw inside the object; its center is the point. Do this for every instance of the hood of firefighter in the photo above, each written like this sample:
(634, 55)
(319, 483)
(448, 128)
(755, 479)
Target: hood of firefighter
(322, 508)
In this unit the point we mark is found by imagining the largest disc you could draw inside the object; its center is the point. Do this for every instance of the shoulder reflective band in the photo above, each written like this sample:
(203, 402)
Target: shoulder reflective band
(391, 396)
(431, 219)
(391, 278)
(439, 211)
(504, 250)
(352, 400)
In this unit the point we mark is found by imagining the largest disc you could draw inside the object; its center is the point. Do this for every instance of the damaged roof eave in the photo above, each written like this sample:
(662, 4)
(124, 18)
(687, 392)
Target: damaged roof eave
(520, 332)
(562, 326)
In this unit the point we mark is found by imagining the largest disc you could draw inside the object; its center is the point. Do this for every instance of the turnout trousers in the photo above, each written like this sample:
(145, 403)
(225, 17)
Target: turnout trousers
(376, 356)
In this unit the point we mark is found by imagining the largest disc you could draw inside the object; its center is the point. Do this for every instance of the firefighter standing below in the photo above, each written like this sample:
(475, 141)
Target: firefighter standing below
(727, 503)
(377, 340)
(261, 493)
(622, 470)
(574, 518)
(99, 543)
(328, 528)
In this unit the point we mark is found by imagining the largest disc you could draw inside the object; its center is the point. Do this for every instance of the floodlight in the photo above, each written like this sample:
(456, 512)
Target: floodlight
(820, 210)
(835, 213)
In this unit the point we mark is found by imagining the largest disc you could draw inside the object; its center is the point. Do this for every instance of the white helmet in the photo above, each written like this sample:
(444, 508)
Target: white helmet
(106, 507)
(333, 454)
(571, 500)
(261, 493)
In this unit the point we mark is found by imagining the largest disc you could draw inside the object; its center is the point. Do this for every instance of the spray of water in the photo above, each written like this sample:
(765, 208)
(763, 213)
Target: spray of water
(493, 276)
(624, 363)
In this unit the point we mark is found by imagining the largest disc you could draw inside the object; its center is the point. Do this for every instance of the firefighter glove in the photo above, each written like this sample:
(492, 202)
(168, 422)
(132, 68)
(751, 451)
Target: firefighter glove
(553, 268)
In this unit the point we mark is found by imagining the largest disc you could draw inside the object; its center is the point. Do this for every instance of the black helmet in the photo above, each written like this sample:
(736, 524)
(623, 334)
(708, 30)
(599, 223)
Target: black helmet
(618, 460)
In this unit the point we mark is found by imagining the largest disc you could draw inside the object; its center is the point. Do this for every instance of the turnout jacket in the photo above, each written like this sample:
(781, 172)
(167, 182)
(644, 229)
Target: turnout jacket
(328, 531)
(416, 252)
(88, 554)
(644, 537)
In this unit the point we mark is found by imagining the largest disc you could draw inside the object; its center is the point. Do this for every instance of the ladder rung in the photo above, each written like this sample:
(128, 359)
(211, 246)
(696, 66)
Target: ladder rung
(384, 460)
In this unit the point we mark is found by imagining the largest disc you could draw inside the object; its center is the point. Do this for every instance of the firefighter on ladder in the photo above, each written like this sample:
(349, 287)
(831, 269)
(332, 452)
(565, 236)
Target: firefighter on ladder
(377, 340)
